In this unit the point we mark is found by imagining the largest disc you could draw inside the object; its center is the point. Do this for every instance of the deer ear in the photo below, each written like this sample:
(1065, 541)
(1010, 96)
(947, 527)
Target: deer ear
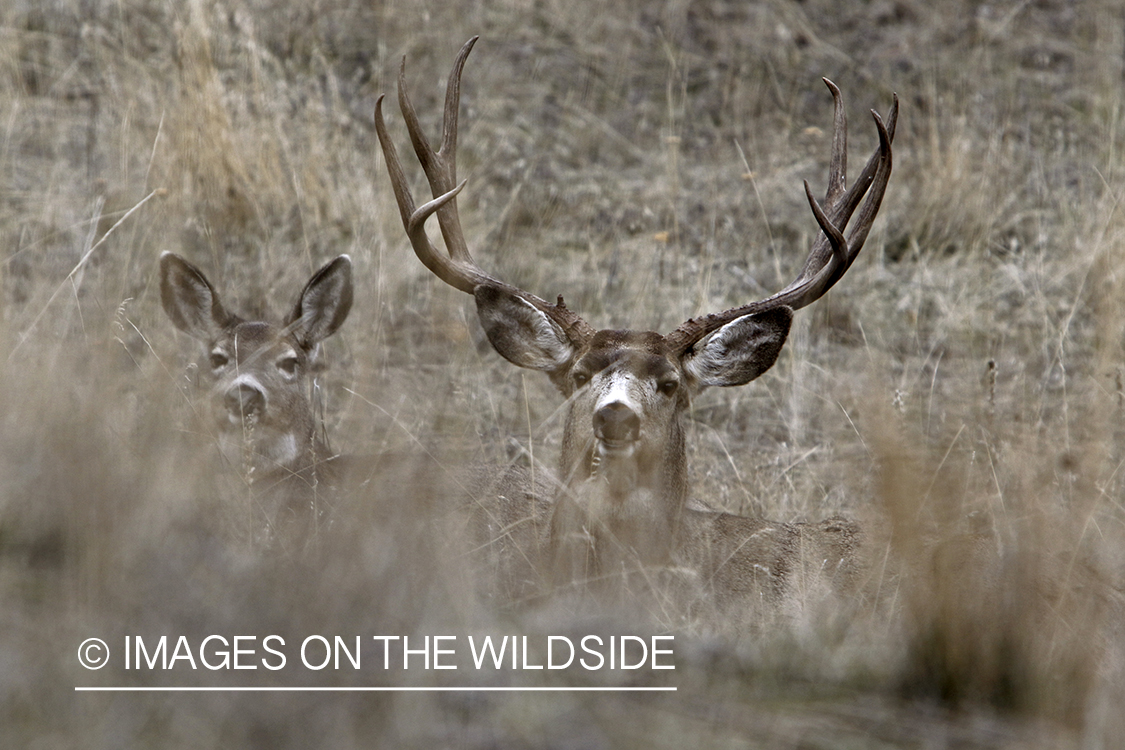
(741, 350)
(324, 303)
(522, 334)
(189, 299)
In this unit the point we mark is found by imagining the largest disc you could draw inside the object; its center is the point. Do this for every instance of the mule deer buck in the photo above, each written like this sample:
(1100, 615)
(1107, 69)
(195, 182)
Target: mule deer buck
(258, 375)
(623, 464)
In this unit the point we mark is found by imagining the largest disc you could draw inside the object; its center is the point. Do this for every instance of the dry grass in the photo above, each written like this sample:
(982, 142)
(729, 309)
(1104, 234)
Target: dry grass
(961, 392)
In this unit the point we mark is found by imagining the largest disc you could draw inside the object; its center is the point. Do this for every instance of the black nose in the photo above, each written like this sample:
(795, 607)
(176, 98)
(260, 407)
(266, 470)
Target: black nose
(616, 423)
(245, 400)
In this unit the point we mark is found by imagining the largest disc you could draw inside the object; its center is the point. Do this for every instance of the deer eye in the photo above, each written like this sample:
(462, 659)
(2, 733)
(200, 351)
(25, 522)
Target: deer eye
(219, 360)
(580, 379)
(668, 387)
(288, 365)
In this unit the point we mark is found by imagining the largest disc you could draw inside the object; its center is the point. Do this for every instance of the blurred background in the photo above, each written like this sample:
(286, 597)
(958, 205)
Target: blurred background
(960, 393)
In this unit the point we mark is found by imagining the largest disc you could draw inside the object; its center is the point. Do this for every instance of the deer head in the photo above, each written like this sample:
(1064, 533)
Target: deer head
(623, 455)
(258, 373)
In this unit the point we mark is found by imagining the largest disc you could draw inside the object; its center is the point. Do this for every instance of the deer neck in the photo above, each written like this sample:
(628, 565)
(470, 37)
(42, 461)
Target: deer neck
(620, 511)
(265, 455)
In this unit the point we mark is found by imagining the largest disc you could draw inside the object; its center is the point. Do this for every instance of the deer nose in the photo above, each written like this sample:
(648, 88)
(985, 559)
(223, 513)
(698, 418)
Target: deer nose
(244, 400)
(616, 423)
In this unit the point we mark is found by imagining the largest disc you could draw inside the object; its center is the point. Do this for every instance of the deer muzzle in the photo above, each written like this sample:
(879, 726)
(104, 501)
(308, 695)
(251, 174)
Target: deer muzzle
(245, 401)
(617, 428)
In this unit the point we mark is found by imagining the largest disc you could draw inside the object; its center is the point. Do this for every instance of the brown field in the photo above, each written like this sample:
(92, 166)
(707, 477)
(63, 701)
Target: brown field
(961, 392)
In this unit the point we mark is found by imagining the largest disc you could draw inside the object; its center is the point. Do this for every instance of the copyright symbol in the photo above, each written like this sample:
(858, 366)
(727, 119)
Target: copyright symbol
(93, 653)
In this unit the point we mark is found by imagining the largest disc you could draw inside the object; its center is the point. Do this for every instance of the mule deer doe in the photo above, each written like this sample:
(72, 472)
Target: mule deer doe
(623, 463)
(258, 376)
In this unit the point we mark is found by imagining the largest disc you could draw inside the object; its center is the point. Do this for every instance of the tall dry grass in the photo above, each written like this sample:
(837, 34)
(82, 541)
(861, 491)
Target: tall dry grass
(960, 393)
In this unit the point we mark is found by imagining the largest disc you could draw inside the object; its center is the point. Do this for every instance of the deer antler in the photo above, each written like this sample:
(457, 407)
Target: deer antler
(459, 269)
(829, 259)
(831, 254)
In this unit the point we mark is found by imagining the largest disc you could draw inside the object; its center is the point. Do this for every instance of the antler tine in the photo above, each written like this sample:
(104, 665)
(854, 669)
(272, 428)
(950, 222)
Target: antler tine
(838, 166)
(834, 236)
(874, 201)
(459, 270)
(831, 254)
(849, 202)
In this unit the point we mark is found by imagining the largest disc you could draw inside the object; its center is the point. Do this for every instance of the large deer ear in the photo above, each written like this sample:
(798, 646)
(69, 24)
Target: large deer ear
(522, 334)
(741, 350)
(324, 303)
(189, 299)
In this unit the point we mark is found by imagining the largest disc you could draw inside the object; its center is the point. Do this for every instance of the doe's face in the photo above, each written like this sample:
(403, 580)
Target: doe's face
(258, 393)
(258, 372)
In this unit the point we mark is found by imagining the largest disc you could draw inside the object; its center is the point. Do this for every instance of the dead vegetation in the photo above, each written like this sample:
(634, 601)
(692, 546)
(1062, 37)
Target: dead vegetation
(960, 394)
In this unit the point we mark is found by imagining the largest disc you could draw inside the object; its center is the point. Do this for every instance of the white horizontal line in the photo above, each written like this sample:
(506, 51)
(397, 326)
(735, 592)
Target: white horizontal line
(311, 689)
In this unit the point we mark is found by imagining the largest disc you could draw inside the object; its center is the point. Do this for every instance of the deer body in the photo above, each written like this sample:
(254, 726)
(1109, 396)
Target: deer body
(622, 506)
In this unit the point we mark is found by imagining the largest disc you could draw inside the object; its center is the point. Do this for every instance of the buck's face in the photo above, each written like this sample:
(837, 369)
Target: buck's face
(627, 395)
(628, 390)
(258, 378)
(258, 373)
